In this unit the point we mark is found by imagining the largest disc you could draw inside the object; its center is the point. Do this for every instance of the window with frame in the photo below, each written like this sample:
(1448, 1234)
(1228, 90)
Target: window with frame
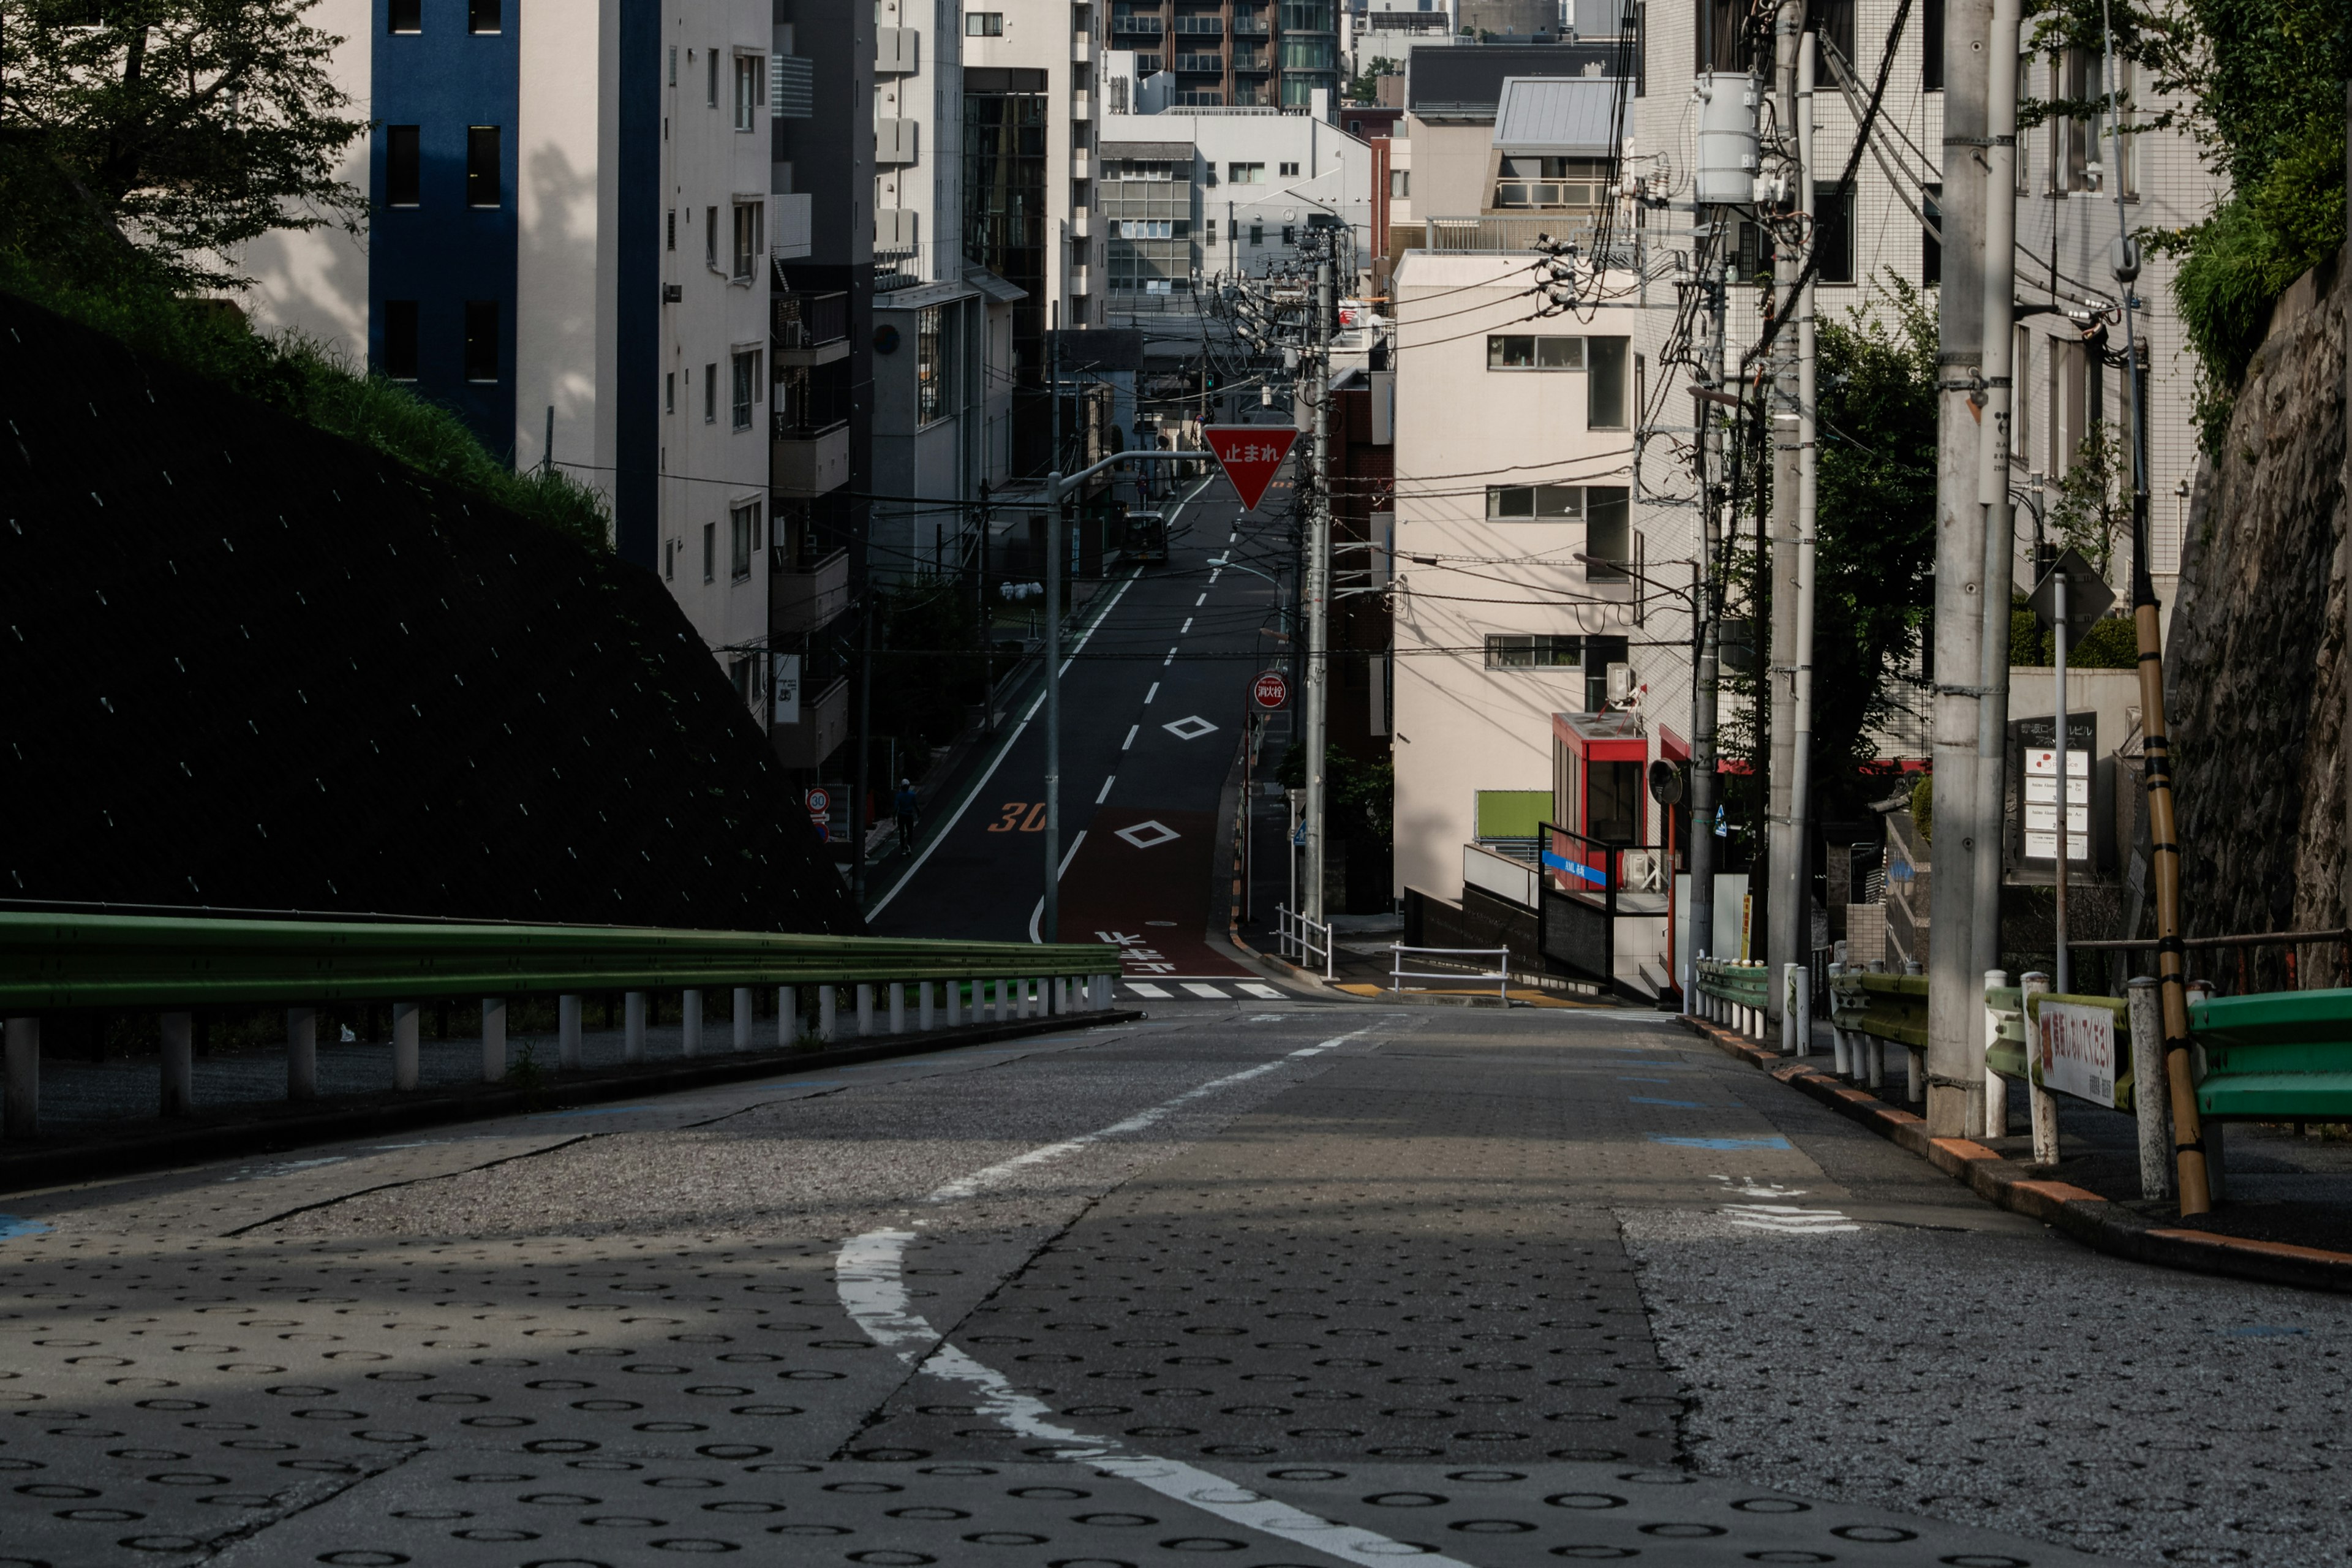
(1257, 233)
(481, 360)
(1931, 46)
(747, 390)
(983, 23)
(710, 237)
(2080, 145)
(1289, 234)
(1605, 382)
(1833, 234)
(750, 219)
(742, 538)
(710, 393)
(1608, 533)
(1245, 173)
(484, 16)
(710, 553)
(751, 90)
(1721, 35)
(1287, 171)
(403, 166)
(1519, 650)
(710, 70)
(482, 171)
(1525, 350)
(1399, 185)
(930, 382)
(404, 16)
(669, 392)
(1534, 503)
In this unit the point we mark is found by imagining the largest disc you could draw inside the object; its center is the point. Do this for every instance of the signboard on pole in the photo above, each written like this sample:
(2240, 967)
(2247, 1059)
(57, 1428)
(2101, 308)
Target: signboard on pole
(1250, 454)
(1270, 690)
(820, 809)
(784, 689)
(2076, 1051)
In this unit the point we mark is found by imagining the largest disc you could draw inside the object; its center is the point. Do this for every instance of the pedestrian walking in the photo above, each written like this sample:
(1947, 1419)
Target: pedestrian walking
(906, 811)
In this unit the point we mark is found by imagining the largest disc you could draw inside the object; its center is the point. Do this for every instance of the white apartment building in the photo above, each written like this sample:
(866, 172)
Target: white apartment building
(1030, 71)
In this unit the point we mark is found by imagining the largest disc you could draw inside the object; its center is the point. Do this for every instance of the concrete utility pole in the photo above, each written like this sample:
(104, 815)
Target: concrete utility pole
(1799, 876)
(1706, 674)
(1780, 940)
(1992, 494)
(1316, 494)
(1955, 984)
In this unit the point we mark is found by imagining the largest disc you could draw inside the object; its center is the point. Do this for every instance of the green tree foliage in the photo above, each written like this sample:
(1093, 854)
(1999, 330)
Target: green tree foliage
(1365, 86)
(1360, 796)
(181, 128)
(2093, 509)
(2112, 643)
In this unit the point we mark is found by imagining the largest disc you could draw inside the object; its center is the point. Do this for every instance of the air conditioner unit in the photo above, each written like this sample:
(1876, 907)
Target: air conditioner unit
(1641, 871)
(1621, 682)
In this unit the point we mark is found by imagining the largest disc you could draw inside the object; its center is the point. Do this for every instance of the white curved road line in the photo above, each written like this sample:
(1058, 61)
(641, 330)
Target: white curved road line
(868, 1274)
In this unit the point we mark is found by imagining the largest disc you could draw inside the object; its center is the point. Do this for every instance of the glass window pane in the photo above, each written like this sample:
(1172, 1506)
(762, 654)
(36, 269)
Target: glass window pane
(1559, 353)
(1605, 387)
(1608, 531)
(1560, 501)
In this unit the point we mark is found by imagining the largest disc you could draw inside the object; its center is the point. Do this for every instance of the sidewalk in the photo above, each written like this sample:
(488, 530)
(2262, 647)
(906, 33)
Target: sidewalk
(2286, 1215)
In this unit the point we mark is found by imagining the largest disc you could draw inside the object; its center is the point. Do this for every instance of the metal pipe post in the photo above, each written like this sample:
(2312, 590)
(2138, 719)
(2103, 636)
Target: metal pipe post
(2065, 785)
(1800, 871)
(1316, 491)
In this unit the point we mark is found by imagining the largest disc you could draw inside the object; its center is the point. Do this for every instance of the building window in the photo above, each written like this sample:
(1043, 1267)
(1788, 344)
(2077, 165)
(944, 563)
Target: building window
(669, 230)
(1833, 234)
(1212, 231)
(1608, 531)
(673, 65)
(1517, 351)
(1290, 234)
(710, 393)
(403, 166)
(670, 560)
(710, 237)
(710, 553)
(1245, 173)
(2080, 145)
(742, 538)
(931, 384)
(710, 92)
(482, 15)
(1519, 651)
(404, 16)
(399, 359)
(669, 392)
(747, 385)
(750, 220)
(1931, 46)
(481, 340)
(481, 165)
(1257, 233)
(1535, 502)
(751, 89)
(1399, 185)
(983, 23)
(1722, 36)
(1604, 388)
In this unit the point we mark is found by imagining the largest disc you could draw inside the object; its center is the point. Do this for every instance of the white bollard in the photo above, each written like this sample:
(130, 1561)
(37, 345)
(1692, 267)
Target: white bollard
(2151, 1090)
(632, 1026)
(689, 1024)
(301, 1053)
(179, 1063)
(897, 1007)
(865, 1009)
(2041, 1104)
(788, 1016)
(1841, 1056)
(24, 1077)
(405, 1052)
(1004, 1013)
(567, 1032)
(828, 1012)
(1915, 1085)
(742, 1020)
(1996, 1087)
(926, 1014)
(955, 1004)
(494, 1039)
(1020, 988)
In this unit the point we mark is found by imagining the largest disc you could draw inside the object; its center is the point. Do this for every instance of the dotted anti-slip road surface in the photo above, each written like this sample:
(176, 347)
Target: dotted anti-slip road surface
(1274, 1289)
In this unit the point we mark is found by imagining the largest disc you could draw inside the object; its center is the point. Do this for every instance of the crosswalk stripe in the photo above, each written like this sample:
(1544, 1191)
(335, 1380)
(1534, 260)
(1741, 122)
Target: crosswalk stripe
(1143, 989)
(1265, 993)
(1198, 989)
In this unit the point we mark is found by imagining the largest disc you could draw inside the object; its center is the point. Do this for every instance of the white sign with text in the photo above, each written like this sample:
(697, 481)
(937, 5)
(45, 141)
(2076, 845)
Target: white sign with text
(2078, 1051)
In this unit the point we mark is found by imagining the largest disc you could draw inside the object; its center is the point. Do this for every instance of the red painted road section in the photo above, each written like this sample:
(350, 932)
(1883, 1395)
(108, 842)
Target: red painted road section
(1145, 892)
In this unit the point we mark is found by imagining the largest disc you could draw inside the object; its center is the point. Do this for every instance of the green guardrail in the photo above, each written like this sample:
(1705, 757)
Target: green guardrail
(51, 962)
(1884, 1006)
(2277, 1056)
(1727, 981)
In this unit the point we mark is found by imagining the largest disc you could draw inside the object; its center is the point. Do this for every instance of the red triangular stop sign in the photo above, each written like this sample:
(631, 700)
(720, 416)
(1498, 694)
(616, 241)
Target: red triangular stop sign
(1250, 454)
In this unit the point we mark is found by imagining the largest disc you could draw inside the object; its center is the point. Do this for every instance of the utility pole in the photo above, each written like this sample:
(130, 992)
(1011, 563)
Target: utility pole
(1708, 675)
(1799, 876)
(2000, 523)
(1316, 496)
(1049, 922)
(1954, 985)
(1781, 839)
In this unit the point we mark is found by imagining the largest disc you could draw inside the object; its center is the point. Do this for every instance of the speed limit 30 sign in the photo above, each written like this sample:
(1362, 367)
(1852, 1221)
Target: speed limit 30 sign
(1270, 690)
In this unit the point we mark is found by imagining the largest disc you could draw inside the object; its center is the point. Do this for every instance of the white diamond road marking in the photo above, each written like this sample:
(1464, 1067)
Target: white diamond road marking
(1264, 993)
(1150, 835)
(1144, 988)
(1191, 728)
(1197, 989)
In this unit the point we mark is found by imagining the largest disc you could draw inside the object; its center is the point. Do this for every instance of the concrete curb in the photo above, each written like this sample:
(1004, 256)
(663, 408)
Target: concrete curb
(275, 1126)
(2097, 1223)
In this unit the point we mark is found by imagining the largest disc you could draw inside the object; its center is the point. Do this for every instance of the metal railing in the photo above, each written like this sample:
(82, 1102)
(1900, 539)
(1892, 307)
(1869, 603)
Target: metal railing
(63, 963)
(1500, 974)
(809, 321)
(1301, 940)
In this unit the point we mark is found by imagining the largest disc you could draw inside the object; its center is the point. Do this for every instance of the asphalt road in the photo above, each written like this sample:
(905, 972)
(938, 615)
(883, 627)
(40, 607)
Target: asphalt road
(1152, 705)
(1320, 1283)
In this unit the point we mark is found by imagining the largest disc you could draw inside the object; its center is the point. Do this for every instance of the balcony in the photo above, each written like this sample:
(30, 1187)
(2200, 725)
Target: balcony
(824, 726)
(1255, 24)
(894, 142)
(793, 232)
(1082, 166)
(809, 329)
(1082, 224)
(1204, 26)
(1140, 26)
(1082, 47)
(1081, 106)
(806, 460)
(801, 601)
(1251, 60)
(1214, 65)
(895, 51)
